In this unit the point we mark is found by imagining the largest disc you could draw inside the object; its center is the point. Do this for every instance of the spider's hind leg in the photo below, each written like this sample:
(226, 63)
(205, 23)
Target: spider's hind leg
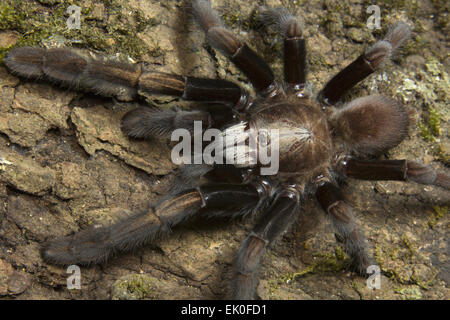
(97, 244)
(332, 201)
(399, 170)
(273, 222)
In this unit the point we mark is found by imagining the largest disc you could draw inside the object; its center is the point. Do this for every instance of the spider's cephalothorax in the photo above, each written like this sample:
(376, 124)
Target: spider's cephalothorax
(320, 142)
(305, 147)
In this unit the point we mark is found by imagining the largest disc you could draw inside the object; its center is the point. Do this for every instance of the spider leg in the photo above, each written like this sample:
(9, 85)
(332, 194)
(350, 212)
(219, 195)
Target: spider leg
(364, 65)
(274, 221)
(76, 70)
(194, 89)
(370, 125)
(332, 201)
(124, 81)
(252, 65)
(400, 170)
(145, 122)
(96, 244)
(121, 80)
(294, 46)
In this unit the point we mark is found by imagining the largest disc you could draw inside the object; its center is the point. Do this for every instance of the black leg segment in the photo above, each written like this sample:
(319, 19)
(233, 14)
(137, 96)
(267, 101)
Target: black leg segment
(294, 46)
(400, 170)
(121, 80)
(294, 63)
(346, 79)
(274, 221)
(252, 65)
(364, 65)
(193, 89)
(332, 201)
(97, 244)
(256, 70)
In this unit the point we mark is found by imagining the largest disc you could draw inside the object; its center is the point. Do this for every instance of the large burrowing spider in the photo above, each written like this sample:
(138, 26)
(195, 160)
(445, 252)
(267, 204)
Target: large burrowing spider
(320, 143)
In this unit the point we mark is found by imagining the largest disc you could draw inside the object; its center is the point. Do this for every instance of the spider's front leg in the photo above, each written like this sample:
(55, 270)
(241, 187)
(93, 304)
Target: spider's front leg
(252, 65)
(124, 81)
(97, 244)
(144, 122)
(294, 53)
(274, 221)
(78, 70)
(364, 65)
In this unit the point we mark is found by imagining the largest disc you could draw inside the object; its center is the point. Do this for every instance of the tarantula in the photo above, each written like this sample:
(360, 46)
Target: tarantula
(321, 142)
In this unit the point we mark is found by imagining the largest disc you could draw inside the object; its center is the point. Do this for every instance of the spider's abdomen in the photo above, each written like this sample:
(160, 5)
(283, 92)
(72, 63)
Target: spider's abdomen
(304, 141)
